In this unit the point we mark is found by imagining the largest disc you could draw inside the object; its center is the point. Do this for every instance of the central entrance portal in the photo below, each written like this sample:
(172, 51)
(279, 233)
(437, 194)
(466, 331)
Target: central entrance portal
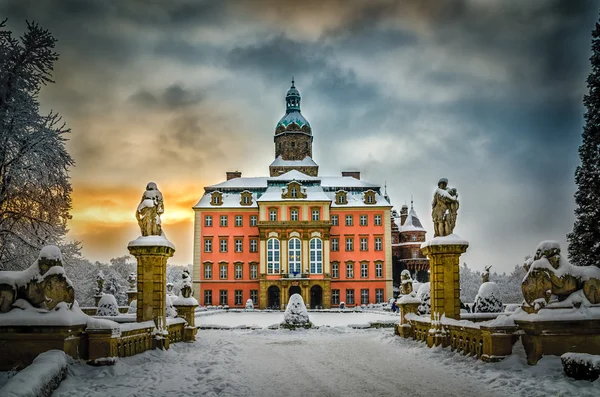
(295, 290)
(273, 298)
(316, 297)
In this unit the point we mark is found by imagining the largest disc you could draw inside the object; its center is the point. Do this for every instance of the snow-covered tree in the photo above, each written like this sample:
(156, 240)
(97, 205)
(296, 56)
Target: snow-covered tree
(296, 315)
(107, 306)
(424, 294)
(174, 273)
(488, 299)
(584, 241)
(35, 192)
(470, 281)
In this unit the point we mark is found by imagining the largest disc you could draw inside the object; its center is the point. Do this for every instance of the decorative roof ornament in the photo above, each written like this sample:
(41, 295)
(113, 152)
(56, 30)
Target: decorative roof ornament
(293, 120)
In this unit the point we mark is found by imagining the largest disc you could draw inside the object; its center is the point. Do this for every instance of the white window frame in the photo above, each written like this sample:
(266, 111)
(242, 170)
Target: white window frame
(208, 294)
(335, 220)
(377, 221)
(273, 215)
(223, 272)
(364, 243)
(364, 270)
(364, 296)
(349, 220)
(207, 271)
(239, 271)
(350, 296)
(335, 270)
(294, 255)
(349, 270)
(239, 245)
(238, 293)
(378, 244)
(223, 297)
(223, 221)
(223, 245)
(273, 256)
(378, 269)
(253, 272)
(208, 245)
(316, 214)
(335, 244)
(294, 214)
(335, 296)
(349, 244)
(316, 255)
(379, 295)
(364, 220)
(253, 220)
(239, 221)
(208, 220)
(253, 245)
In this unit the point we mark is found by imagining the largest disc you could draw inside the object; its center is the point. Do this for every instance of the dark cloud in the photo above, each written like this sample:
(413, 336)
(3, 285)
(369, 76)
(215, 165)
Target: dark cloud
(173, 97)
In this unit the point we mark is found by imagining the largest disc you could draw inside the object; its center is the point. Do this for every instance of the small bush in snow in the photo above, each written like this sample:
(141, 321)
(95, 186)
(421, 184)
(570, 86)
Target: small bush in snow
(296, 315)
(581, 366)
(107, 306)
(424, 294)
(487, 300)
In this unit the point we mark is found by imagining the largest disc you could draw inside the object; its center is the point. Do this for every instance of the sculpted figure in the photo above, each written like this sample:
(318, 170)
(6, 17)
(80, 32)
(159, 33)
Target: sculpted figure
(444, 209)
(186, 289)
(407, 282)
(550, 275)
(149, 211)
(485, 277)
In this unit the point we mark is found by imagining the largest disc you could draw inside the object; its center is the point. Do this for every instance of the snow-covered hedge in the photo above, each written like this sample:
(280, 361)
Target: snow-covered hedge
(41, 378)
(296, 315)
(107, 306)
(581, 366)
(249, 304)
(487, 299)
(424, 294)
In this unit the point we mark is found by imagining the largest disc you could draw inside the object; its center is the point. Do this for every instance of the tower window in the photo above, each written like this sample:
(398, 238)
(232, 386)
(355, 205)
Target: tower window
(306, 145)
(293, 144)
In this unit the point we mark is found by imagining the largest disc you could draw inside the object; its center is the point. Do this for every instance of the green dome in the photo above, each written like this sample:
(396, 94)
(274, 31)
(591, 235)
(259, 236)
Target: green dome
(292, 113)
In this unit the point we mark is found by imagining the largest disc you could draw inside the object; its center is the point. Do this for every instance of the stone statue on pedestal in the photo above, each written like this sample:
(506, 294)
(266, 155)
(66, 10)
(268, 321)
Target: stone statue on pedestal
(149, 210)
(444, 209)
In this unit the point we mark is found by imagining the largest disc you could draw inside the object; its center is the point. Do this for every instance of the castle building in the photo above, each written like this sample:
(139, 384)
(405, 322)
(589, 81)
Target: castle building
(407, 236)
(327, 238)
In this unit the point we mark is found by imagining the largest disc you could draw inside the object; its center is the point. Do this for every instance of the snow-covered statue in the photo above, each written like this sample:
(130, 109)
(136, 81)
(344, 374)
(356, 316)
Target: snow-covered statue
(488, 297)
(485, 277)
(296, 315)
(132, 280)
(186, 287)
(407, 282)
(171, 311)
(149, 211)
(99, 283)
(249, 304)
(132, 307)
(424, 294)
(107, 306)
(444, 209)
(43, 285)
(551, 277)
(170, 287)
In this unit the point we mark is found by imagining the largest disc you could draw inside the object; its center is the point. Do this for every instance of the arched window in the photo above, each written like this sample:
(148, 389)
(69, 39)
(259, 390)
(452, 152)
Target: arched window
(294, 256)
(272, 256)
(316, 256)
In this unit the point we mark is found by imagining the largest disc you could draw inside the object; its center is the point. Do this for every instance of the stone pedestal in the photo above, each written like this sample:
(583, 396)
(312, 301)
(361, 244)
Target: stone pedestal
(444, 258)
(152, 278)
(410, 306)
(497, 342)
(131, 296)
(97, 299)
(188, 312)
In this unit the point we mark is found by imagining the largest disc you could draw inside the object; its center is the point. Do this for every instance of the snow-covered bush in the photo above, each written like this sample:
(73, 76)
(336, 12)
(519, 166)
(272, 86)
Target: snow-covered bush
(107, 306)
(171, 311)
(132, 307)
(249, 304)
(296, 315)
(581, 366)
(342, 305)
(424, 294)
(487, 299)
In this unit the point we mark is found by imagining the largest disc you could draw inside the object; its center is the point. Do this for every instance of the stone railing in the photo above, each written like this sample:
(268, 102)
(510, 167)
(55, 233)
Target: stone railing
(488, 343)
(134, 342)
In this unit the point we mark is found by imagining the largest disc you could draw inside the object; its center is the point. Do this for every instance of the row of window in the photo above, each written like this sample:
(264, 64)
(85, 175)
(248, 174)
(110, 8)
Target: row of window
(295, 268)
(294, 216)
(224, 242)
(315, 247)
(238, 271)
(238, 297)
(364, 270)
(349, 243)
(335, 245)
(364, 296)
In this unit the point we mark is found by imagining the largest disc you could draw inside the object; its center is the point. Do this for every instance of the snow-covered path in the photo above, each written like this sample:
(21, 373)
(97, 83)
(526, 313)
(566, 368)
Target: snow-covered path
(323, 362)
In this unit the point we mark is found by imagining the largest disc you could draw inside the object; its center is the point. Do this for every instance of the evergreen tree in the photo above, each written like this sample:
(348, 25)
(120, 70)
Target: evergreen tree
(35, 191)
(584, 241)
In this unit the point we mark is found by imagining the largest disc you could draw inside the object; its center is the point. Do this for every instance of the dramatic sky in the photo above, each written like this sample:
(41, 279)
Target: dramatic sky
(485, 93)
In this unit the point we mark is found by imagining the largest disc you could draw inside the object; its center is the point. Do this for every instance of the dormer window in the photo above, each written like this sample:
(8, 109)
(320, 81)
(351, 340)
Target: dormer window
(216, 198)
(369, 197)
(293, 191)
(246, 198)
(341, 197)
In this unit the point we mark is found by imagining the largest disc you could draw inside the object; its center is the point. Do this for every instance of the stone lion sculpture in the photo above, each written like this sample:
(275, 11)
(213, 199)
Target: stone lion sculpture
(44, 284)
(149, 211)
(549, 274)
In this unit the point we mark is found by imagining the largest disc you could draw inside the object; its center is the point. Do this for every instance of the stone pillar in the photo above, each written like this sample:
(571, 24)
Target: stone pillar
(151, 279)
(408, 304)
(97, 299)
(131, 296)
(444, 258)
(186, 309)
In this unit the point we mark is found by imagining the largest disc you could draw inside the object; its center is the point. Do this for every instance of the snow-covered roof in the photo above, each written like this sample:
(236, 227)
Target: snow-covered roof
(293, 117)
(305, 162)
(313, 193)
(411, 224)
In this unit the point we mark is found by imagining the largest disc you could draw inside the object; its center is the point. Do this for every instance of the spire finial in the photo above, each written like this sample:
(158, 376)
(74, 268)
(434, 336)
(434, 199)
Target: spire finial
(293, 82)
(411, 201)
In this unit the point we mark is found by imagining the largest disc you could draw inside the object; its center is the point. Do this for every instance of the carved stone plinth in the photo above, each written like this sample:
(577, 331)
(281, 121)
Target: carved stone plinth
(497, 342)
(131, 296)
(558, 337)
(188, 313)
(101, 346)
(151, 282)
(444, 258)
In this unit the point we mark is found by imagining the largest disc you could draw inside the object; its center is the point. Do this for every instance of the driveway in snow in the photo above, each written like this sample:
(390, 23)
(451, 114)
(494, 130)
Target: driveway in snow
(323, 362)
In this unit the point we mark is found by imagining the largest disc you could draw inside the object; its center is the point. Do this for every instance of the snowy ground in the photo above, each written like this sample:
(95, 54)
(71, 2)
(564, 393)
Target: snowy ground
(266, 319)
(320, 362)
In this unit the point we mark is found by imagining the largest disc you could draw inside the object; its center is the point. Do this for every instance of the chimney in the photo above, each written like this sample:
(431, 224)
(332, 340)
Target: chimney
(353, 174)
(233, 174)
(403, 214)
